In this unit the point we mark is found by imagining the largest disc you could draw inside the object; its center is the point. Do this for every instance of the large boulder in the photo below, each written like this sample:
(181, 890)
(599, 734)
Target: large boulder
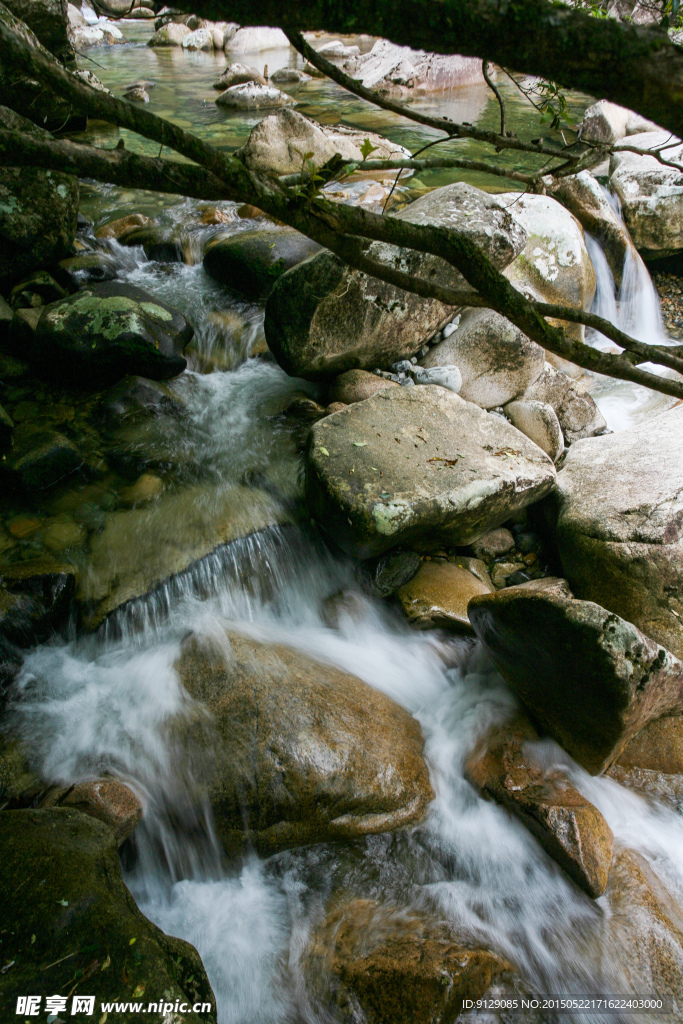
(324, 318)
(76, 919)
(583, 196)
(48, 19)
(437, 597)
(171, 34)
(399, 71)
(301, 752)
(238, 74)
(250, 262)
(607, 123)
(200, 39)
(496, 360)
(38, 210)
(382, 964)
(555, 265)
(577, 413)
(571, 829)
(249, 40)
(651, 193)
(108, 330)
(418, 462)
(278, 144)
(252, 96)
(618, 511)
(590, 679)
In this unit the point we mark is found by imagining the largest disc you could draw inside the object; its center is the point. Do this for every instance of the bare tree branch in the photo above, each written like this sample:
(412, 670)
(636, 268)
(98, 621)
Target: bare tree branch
(496, 92)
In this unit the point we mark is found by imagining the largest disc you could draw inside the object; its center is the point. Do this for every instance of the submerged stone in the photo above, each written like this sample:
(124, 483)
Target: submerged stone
(413, 463)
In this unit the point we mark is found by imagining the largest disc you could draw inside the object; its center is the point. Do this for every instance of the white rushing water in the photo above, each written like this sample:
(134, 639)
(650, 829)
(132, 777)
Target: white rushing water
(104, 703)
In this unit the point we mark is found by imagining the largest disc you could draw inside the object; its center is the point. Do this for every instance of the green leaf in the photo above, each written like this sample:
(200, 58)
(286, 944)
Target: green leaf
(63, 903)
(323, 451)
(367, 148)
(360, 444)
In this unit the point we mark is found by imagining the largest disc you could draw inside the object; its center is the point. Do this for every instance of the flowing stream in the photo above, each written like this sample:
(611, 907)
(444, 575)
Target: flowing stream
(101, 703)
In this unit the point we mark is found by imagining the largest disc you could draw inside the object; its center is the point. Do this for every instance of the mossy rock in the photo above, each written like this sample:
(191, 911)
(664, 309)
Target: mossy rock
(250, 262)
(109, 330)
(38, 210)
(75, 926)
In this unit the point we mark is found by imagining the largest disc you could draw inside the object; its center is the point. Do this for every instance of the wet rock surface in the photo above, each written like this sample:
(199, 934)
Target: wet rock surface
(74, 901)
(108, 330)
(302, 752)
(250, 262)
(591, 680)
(569, 828)
(651, 193)
(109, 800)
(438, 595)
(411, 462)
(391, 964)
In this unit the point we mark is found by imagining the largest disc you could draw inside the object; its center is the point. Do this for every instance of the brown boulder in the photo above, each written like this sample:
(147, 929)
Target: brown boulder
(438, 595)
(658, 747)
(108, 800)
(590, 679)
(356, 385)
(392, 965)
(302, 752)
(567, 826)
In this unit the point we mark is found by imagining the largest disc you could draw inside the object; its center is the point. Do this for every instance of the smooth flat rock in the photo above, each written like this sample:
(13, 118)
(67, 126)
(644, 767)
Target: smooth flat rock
(415, 462)
(590, 679)
(567, 826)
(618, 515)
(438, 595)
(325, 318)
(302, 752)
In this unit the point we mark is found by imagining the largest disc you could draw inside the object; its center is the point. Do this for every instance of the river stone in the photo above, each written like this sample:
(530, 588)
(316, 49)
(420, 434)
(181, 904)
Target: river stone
(576, 411)
(108, 330)
(302, 752)
(250, 262)
(200, 39)
(493, 544)
(539, 422)
(607, 123)
(618, 512)
(171, 34)
(438, 595)
(278, 143)
(567, 826)
(252, 96)
(590, 679)
(107, 799)
(289, 76)
(658, 747)
(585, 197)
(643, 929)
(410, 463)
(381, 577)
(448, 376)
(41, 458)
(38, 210)
(399, 71)
(238, 74)
(324, 318)
(497, 361)
(555, 265)
(76, 916)
(651, 193)
(140, 549)
(357, 385)
(116, 228)
(383, 964)
(251, 39)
